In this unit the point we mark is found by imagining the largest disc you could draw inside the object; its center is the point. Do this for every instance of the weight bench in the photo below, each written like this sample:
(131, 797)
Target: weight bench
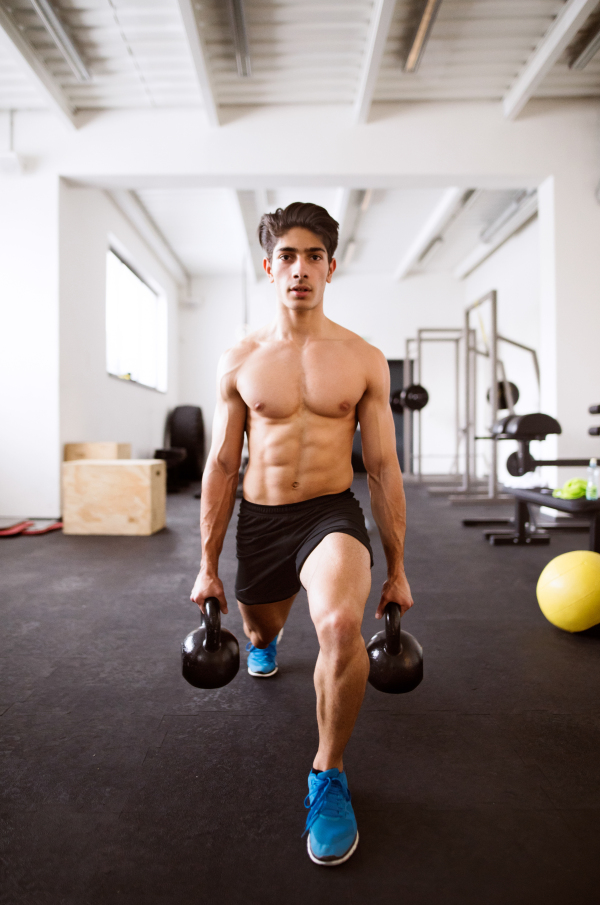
(525, 529)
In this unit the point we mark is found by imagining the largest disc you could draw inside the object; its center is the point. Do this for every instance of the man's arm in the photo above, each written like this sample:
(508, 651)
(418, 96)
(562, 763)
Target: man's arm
(385, 480)
(220, 480)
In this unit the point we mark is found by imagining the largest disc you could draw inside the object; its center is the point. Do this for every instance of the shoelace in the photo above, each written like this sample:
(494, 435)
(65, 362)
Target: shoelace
(331, 796)
(264, 655)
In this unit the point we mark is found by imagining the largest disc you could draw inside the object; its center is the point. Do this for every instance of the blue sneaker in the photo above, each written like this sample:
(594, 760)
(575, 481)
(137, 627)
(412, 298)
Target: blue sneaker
(262, 662)
(330, 824)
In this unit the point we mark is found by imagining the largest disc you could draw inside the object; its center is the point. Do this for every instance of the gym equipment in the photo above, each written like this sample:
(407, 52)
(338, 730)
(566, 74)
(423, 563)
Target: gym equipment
(594, 431)
(173, 457)
(468, 493)
(502, 402)
(414, 397)
(524, 429)
(185, 429)
(396, 402)
(568, 590)
(526, 531)
(210, 655)
(414, 461)
(396, 658)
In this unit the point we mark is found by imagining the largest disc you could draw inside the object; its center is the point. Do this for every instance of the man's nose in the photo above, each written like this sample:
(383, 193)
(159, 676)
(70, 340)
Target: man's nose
(300, 271)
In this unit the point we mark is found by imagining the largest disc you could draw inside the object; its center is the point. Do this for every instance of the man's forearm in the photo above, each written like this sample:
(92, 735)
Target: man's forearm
(388, 505)
(216, 507)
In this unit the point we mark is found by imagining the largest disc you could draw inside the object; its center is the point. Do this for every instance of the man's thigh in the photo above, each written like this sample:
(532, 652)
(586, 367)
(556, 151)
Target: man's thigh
(266, 617)
(337, 578)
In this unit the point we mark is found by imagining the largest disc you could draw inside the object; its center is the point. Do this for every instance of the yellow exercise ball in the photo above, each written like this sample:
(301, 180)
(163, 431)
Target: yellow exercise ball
(568, 590)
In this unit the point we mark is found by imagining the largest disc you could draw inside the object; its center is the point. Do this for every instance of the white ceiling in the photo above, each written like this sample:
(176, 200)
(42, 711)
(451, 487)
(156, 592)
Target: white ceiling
(205, 228)
(138, 52)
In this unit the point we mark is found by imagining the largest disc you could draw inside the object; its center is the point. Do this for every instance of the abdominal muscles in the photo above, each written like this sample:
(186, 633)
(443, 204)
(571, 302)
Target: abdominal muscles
(299, 458)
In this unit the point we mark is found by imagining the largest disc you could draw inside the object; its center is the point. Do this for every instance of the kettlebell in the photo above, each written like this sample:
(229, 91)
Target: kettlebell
(396, 657)
(210, 655)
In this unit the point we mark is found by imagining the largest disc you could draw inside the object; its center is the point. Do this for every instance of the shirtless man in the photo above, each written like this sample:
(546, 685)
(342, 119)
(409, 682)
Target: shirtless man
(298, 387)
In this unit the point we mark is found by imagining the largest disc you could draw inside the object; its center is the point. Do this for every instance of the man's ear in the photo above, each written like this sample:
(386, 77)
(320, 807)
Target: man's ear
(332, 267)
(267, 269)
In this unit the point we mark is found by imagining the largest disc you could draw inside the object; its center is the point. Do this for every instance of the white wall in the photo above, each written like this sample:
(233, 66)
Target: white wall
(514, 272)
(570, 306)
(93, 404)
(29, 367)
(208, 325)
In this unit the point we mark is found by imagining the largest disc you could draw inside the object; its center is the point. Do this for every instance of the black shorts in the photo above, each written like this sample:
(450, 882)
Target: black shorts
(274, 541)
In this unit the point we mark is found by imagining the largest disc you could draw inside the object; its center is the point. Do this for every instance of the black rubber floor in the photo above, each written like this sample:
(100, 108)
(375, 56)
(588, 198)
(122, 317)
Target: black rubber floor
(121, 783)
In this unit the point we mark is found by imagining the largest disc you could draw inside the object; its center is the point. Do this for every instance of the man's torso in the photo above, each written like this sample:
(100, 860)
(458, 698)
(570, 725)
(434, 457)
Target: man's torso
(301, 414)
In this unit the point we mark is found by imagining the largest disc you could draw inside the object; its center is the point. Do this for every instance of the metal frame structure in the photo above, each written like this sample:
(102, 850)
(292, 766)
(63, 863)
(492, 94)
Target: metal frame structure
(471, 486)
(423, 336)
(468, 492)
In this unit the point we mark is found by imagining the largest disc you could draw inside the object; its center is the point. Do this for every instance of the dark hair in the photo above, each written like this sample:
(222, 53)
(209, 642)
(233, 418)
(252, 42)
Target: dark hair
(307, 216)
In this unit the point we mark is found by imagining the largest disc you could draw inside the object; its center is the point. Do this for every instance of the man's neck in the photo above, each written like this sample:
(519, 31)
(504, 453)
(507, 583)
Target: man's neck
(300, 326)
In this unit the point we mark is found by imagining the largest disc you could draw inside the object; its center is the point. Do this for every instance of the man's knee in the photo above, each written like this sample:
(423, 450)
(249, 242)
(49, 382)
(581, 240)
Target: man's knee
(339, 631)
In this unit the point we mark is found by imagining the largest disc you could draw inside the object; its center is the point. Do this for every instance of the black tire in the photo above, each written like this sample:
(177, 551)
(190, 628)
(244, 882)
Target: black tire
(186, 430)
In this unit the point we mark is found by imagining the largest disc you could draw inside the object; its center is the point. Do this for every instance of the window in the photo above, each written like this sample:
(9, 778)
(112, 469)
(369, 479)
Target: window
(136, 327)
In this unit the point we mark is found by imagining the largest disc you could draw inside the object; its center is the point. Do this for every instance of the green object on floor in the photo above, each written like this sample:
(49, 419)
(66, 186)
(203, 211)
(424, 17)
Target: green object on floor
(571, 490)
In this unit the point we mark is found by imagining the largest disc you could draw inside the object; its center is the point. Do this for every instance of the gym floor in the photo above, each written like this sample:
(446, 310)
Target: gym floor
(121, 783)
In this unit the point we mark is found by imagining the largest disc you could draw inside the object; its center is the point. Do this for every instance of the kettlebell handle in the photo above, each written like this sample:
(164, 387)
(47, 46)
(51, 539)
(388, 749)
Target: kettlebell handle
(212, 621)
(393, 615)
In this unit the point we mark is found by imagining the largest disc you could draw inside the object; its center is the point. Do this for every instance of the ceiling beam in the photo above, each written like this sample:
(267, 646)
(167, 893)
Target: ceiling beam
(444, 211)
(524, 212)
(381, 20)
(132, 208)
(252, 206)
(12, 38)
(197, 48)
(558, 37)
(349, 205)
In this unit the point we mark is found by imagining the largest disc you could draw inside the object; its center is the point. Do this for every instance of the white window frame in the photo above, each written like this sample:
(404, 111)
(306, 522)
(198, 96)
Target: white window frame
(154, 375)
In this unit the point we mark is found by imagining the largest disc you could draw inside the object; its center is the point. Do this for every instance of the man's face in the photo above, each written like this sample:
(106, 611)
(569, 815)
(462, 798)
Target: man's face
(300, 269)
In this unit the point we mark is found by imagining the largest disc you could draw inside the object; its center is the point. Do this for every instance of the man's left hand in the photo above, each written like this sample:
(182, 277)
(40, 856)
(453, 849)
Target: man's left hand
(398, 590)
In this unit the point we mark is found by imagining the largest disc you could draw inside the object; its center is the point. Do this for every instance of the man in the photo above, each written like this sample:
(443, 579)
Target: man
(298, 387)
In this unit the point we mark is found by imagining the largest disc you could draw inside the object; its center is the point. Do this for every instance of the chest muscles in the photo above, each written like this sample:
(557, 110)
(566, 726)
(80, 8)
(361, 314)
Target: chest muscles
(280, 383)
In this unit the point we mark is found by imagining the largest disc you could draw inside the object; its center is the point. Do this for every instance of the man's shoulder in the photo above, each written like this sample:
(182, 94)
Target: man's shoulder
(359, 345)
(235, 356)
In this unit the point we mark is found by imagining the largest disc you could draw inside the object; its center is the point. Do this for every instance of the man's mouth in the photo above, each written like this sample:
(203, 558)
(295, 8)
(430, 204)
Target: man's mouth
(300, 290)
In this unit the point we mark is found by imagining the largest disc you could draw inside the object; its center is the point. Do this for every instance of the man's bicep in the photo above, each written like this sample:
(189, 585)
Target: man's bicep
(378, 435)
(228, 427)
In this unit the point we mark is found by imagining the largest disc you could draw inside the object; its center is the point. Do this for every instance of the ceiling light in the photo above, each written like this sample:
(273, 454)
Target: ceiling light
(349, 252)
(240, 38)
(366, 201)
(524, 201)
(428, 252)
(62, 40)
(422, 35)
(590, 50)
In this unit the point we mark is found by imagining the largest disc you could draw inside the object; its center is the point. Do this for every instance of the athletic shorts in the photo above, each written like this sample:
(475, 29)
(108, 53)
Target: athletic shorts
(274, 541)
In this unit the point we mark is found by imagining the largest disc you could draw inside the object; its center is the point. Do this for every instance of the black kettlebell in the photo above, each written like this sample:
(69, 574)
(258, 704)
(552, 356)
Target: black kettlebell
(210, 655)
(396, 657)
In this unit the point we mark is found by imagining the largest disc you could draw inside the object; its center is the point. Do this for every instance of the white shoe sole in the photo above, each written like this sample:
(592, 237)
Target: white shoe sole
(341, 860)
(266, 675)
(262, 675)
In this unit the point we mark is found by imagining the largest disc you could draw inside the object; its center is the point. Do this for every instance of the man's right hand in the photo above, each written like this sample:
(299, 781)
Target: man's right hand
(208, 586)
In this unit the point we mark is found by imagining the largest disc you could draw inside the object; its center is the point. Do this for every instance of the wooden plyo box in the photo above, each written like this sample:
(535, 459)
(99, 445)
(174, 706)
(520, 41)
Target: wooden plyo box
(101, 450)
(114, 496)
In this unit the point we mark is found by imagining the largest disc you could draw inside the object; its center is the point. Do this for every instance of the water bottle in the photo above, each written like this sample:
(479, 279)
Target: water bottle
(593, 481)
